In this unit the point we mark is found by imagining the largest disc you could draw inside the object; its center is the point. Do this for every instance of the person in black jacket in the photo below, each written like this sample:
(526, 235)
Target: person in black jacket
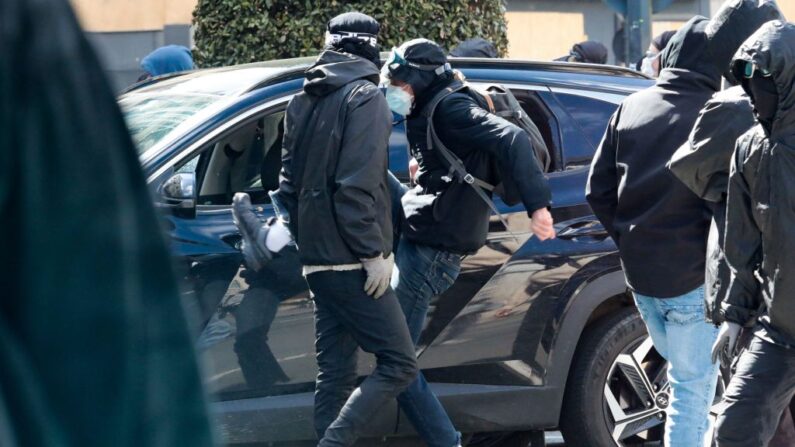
(444, 218)
(658, 224)
(759, 244)
(334, 188)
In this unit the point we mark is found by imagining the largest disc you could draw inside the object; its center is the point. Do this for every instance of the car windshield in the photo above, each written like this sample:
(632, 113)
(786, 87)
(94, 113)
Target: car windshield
(152, 117)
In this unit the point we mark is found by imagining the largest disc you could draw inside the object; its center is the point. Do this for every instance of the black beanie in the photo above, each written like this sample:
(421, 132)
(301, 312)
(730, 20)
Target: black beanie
(354, 33)
(421, 52)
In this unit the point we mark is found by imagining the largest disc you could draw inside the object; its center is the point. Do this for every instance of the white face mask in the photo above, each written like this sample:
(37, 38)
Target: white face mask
(399, 100)
(647, 65)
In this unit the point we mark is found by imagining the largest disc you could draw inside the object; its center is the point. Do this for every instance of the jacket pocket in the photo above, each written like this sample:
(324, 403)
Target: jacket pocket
(315, 214)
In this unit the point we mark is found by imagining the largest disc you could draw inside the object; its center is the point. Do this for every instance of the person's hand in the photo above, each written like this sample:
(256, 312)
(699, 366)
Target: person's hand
(379, 275)
(725, 347)
(414, 166)
(541, 224)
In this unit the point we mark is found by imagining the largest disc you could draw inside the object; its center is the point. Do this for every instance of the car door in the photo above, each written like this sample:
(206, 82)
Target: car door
(493, 286)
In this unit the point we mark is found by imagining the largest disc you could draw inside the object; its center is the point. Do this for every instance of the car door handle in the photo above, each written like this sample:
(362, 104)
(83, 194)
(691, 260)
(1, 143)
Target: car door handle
(585, 227)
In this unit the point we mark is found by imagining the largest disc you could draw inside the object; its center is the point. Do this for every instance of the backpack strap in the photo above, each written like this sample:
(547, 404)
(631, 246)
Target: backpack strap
(456, 169)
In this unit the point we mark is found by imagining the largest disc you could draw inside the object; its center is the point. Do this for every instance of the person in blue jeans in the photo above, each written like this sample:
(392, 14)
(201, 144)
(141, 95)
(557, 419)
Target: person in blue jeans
(445, 219)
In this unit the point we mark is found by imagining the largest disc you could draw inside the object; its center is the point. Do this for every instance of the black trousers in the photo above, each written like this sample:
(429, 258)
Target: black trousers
(760, 390)
(346, 318)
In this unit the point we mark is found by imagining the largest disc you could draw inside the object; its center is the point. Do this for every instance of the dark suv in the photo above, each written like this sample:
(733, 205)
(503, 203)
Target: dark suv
(532, 336)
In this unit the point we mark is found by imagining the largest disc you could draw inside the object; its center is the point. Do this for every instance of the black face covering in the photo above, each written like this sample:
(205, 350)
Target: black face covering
(764, 95)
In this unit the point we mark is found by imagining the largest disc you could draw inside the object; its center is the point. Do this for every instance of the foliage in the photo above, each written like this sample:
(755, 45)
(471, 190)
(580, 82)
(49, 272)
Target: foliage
(231, 32)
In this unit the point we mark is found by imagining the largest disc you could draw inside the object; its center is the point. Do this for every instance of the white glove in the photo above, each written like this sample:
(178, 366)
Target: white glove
(278, 236)
(725, 347)
(379, 275)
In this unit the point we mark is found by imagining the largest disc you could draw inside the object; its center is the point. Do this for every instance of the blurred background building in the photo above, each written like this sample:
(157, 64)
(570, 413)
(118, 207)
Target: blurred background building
(124, 31)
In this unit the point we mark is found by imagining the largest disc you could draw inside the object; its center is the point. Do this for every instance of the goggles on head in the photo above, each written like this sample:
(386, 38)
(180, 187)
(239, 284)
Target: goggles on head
(396, 60)
(335, 38)
(751, 68)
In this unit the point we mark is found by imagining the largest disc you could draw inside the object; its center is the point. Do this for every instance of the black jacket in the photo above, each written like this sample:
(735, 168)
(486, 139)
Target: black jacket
(760, 234)
(334, 163)
(702, 164)
(659, 225)
(451, 216)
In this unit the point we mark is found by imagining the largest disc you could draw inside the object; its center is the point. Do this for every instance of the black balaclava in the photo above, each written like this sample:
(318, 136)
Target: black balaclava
(764, 96)
(354, 33)
(427, 54)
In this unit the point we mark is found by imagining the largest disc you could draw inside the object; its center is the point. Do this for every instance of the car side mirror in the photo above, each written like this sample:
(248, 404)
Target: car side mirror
(178, 193)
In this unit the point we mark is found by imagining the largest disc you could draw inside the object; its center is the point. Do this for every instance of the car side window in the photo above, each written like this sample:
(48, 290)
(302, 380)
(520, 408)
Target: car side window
(247, 159)
(587, 121)
(545, 120)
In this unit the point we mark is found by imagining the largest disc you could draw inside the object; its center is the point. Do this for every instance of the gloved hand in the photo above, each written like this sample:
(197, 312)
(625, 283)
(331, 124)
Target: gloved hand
(379, 275)
(725, 347)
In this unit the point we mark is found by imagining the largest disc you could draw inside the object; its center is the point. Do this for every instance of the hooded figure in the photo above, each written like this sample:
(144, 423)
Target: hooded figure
(476, 47)
(702, 163)
(94, 345)
(167, 59)
(334, 187)
(659, 225)
(759, 243)
(650, 63)
(590, 52)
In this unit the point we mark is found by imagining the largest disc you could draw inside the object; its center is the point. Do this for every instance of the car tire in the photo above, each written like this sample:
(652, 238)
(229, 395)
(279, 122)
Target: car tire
(586, 419)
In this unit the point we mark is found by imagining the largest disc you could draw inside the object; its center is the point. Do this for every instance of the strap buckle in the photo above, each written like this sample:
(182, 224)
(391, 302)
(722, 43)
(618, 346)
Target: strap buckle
(469, 179)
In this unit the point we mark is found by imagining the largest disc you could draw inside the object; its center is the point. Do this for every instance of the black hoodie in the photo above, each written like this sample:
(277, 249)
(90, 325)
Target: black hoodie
(334, 164)
(760, 237)
(702, 163)
(659, 225)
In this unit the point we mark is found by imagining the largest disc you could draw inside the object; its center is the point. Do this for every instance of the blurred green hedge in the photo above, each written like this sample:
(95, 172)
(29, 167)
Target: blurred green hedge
(231, 32)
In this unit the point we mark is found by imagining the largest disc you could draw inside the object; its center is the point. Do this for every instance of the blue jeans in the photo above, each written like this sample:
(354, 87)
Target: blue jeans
(681, 334)
(420, 274)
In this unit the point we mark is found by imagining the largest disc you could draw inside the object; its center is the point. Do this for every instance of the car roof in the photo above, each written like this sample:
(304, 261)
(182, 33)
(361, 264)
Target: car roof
(237, 80)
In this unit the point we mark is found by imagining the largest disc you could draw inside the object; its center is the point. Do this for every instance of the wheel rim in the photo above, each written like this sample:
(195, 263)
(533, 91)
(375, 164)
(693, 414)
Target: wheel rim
(638, 396)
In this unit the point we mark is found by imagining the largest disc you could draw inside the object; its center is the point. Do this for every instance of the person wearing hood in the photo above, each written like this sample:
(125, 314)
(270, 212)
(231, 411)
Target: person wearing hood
(165, 60)
(702, 163)
(589, 52)
(445, 218)
(658, 224)
(334, 188)
(476, 47)
(650, 63)
(759, 244)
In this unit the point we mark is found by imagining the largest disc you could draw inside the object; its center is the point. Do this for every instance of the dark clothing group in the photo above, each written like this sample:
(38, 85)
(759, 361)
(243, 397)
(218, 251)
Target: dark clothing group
(684, 172)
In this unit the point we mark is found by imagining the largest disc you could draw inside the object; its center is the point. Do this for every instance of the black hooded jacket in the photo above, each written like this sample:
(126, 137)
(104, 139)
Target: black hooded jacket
(702, 164)
(451, 216)
(760, 236)
(334, 163)
(659, 225)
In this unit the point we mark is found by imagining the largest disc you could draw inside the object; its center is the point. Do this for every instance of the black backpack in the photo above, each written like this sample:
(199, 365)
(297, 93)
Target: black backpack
(504, 104)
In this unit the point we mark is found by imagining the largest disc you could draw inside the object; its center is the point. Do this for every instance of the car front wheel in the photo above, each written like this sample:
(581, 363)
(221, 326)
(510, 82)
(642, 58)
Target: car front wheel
(618, 393)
